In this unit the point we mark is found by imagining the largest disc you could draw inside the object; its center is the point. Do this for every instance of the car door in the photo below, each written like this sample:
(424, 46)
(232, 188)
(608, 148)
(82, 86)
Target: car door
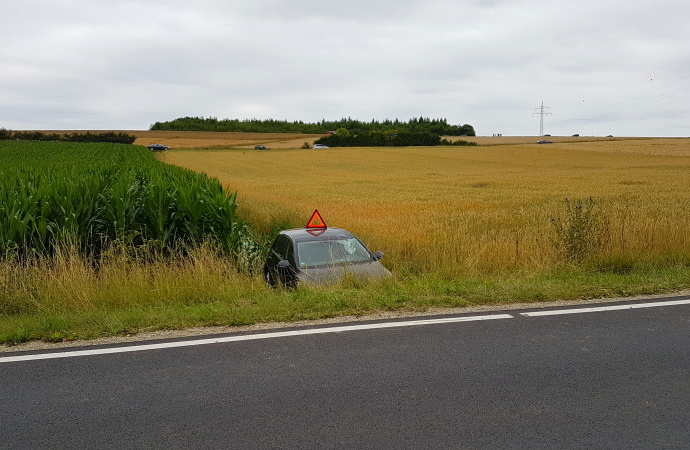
(282, 250)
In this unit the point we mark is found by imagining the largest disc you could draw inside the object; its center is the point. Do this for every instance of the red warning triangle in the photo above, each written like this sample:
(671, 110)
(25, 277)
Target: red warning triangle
(316, 221)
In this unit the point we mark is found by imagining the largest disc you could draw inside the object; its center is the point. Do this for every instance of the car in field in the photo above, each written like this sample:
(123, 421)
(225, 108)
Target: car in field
(320, 256)
(260, 147)
(158, 147)
(544, 141)
(320, 146)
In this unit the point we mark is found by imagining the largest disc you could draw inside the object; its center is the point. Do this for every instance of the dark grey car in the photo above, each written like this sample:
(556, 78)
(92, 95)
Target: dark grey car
(323, 256)
(158, 147)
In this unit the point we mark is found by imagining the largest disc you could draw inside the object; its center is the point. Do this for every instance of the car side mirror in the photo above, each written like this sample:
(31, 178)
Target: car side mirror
(378, 255)
(284, 264)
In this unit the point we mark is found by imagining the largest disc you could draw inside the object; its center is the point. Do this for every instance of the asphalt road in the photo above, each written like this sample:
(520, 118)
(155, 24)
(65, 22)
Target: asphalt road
(601, 379)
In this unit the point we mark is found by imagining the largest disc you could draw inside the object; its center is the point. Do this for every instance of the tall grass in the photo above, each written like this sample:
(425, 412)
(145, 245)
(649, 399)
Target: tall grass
(64, 298)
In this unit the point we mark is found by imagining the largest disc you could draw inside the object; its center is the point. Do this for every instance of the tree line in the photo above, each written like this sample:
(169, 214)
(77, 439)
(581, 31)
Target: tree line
(439, 127)
(345, 138)
(109, 136)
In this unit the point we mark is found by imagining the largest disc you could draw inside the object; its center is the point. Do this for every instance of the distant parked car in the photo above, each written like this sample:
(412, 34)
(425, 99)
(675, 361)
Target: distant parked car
(544, 141)
(320, 146)
(260, 147)
(158, 147)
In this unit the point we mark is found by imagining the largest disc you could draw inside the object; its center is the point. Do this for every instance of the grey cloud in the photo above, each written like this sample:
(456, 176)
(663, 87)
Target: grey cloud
(127, 64)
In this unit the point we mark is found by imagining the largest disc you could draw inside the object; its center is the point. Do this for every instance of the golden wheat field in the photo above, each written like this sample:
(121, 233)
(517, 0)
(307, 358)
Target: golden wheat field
(470, 209)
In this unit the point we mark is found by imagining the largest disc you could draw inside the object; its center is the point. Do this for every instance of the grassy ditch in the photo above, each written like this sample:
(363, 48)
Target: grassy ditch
(63, 298)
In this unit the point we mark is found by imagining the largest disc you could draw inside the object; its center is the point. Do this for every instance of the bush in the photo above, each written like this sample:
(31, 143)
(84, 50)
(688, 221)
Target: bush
(460, 143)
(581, 231)
(381, 139)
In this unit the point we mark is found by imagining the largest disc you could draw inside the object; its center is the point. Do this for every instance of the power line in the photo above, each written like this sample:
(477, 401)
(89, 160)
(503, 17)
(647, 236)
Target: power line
(541, 114)
(654, 95)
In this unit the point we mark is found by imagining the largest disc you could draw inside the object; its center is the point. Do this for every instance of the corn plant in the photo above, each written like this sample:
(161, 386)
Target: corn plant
(93, 195)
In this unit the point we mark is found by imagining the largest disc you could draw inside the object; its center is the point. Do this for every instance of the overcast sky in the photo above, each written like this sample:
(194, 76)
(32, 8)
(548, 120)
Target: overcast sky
(602, 67)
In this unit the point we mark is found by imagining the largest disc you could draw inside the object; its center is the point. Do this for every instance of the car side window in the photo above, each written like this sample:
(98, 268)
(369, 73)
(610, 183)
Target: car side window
(283, 247)
(279, 246)
(290, 252)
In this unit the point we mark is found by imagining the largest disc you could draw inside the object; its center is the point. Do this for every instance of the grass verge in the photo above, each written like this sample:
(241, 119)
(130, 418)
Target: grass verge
(67, 300)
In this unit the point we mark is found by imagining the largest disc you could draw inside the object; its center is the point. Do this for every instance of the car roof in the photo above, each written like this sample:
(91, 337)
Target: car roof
(309, 234)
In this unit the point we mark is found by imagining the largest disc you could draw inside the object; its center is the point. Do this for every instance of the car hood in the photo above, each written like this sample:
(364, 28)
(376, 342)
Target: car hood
(333, 274)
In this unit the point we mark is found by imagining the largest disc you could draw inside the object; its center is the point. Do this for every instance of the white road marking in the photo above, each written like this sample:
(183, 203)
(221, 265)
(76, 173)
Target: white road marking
(605, 308)
(250, 337)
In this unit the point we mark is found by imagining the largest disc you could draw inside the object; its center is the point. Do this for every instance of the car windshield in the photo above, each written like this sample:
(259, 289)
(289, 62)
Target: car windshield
(331, 252)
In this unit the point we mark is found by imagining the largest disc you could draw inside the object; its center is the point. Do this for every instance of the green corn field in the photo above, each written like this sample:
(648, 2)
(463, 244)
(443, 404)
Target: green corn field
(94, 196)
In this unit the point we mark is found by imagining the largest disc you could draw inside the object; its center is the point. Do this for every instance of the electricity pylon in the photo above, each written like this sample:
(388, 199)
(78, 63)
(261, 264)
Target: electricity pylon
(541, 113)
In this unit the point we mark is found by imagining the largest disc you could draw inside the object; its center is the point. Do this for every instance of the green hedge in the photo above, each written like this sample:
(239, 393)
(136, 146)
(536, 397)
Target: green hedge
(108, 136)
